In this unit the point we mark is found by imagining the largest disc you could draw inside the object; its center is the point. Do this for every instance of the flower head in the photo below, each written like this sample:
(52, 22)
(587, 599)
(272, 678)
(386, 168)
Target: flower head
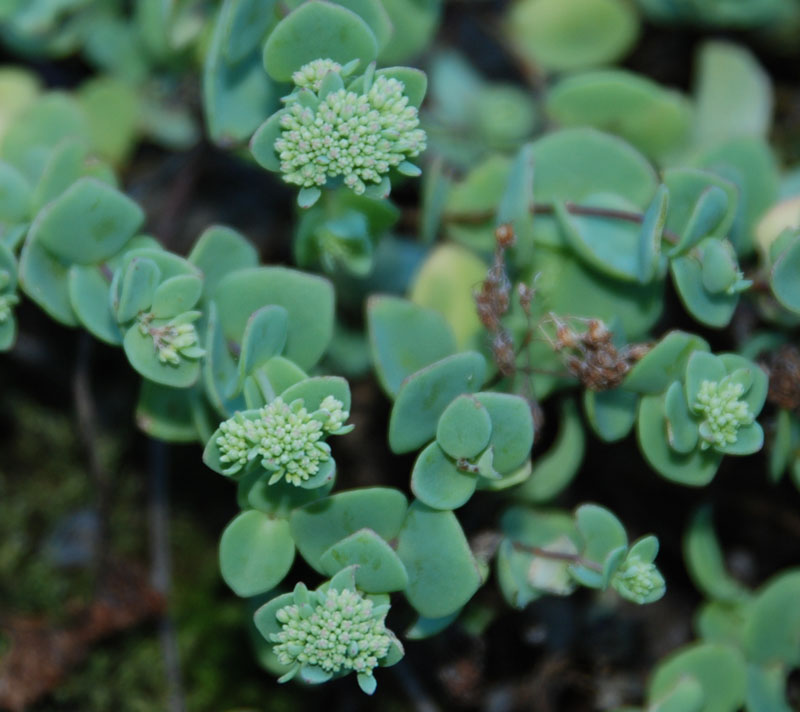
(639, 581)
(719, 402)
(287, 438)
(175, 340)
(359, 137)
(310, 75)
(337, 631)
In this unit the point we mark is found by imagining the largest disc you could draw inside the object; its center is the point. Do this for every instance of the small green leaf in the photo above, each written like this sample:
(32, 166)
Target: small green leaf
(610, 413)
(512, 429)
(783, 279)
(378, 569)
(142, 355)
(317, 29)
(772, 630)
(437, 481)
(664, 363)
(218, 251)
(705, 561)
(682, 431)
(255, 553)
(264, 338)
(719, 669)
(464, 428)
(176, 295)
(714, 310)
(136, 288)
(444, 577)
(89, 222)
(405, 338)
(318, 526)
(423, 397)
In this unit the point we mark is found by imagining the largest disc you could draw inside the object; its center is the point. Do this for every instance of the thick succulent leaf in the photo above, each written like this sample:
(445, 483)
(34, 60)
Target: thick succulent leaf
(712, 309)
(561, 36)
(317, 29)
(464, 428)
(264, 338)
(682, 431)
(719, 669)
(512, 429)
(423, 397)
(772, 630)
(664, 363)
(167, 413)
(255, 553)
(436, 481)
(218, 251)
(45, 279)
(307, 298)
(695, 469)
(378, 568)
(319, 525)
(734, 94)
(444, 577)
(783, 279)
(404, 338)
(705, 561)
(610, 413)
(88, 223)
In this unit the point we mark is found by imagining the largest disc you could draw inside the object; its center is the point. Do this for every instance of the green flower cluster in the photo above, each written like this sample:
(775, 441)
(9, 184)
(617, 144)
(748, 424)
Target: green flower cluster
(638, 580)
(723, 410)
(310, 75)
(7, 303)
(286, 437)
(175, 340)
(358, 137)
(344, 631)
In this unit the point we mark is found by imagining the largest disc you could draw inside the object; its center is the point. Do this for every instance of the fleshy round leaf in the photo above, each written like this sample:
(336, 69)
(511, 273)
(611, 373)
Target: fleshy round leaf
(218, 251)
(307, 298)
(464, 428)
(88, 223)
(713, 310)
(319, 525)
(136, 288)
(719, 669)
(45, 280)
(437, 481)
(610, 413)
(563, 36)
(255, 553)
(166, 413)
(378, 569)
(682, 431)
(695, 469)
(317, 29)
(88, 293)
(404, 338)
(314, 390)
(423, 397)
(264, 338)
(664, 363)
(783, 280)
(176, 295)
(512, 429)
(772, 630)
(444, 577)
(262, 145)
(705, 561)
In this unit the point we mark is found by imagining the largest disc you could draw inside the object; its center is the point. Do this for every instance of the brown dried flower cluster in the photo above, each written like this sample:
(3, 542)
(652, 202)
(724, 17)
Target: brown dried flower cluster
(783, 367)
(591, 356)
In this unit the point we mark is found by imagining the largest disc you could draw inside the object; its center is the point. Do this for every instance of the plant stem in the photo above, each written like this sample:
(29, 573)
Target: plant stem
(478, 217)
(559, 556)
